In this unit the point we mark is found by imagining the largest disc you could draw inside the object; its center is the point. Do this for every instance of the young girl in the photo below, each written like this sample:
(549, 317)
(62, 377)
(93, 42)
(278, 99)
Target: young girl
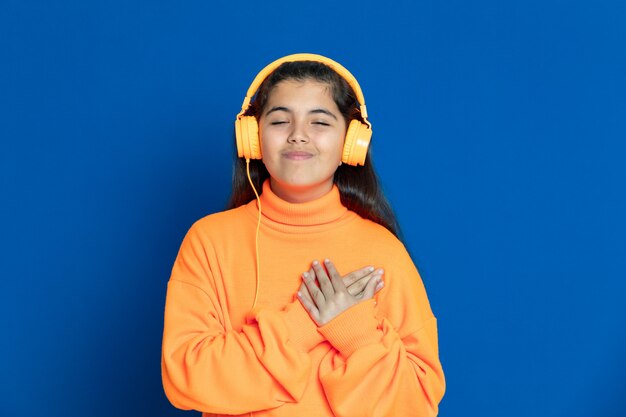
(259, 319)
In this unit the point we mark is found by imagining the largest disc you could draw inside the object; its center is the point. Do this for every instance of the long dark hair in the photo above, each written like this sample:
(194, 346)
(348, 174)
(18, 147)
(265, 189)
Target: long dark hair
(359, 186)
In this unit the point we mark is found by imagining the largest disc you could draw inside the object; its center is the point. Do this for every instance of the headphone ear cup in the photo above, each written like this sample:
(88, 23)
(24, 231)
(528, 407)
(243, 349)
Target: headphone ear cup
(247, 136)
(358, 137)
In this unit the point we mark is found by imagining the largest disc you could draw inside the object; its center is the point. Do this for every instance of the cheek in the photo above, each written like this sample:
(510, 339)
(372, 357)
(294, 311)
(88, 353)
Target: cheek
(337, 148)
(338, 153)
(268, 143)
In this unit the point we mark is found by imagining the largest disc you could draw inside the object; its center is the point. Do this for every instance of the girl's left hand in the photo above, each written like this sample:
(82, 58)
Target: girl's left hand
(331, 297)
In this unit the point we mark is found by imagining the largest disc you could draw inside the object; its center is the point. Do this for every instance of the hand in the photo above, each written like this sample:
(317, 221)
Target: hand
(332, 297)
(356, 281)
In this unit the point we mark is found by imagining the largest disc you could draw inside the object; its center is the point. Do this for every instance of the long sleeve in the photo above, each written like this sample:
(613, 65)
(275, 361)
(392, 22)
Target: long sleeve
(210, 368)
(385, 357)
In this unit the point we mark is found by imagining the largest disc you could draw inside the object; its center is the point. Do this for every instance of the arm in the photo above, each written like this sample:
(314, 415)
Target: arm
(208, 367)
(385, 357)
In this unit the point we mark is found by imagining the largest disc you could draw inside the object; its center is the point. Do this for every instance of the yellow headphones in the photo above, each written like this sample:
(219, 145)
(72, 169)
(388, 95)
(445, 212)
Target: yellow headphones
(358, 135)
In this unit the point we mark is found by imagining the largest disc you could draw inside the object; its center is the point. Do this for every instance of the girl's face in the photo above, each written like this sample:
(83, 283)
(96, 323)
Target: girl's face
(302, 133)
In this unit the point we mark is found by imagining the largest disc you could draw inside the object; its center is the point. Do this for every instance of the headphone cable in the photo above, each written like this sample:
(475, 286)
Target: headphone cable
(256, 238)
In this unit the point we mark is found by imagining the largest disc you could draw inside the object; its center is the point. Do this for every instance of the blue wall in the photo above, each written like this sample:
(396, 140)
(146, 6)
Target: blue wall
(499, 136)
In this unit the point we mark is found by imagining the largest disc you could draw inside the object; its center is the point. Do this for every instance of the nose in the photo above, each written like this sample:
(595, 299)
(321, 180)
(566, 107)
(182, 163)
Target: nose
(298, 134)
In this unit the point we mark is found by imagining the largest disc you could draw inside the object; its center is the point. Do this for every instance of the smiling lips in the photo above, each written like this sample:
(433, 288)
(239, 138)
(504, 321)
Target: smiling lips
(297, 155)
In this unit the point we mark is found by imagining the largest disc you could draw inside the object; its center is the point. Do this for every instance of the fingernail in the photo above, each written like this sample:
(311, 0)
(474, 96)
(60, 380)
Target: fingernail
(370, 269)
(299, 294)
(327, 261)
(381, 271)
(305, 275)
(315, 262)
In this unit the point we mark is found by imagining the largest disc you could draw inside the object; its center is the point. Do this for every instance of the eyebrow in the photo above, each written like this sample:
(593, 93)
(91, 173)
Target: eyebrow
(314, 111)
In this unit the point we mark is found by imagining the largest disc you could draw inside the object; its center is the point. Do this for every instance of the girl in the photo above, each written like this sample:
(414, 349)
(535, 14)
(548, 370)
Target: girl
(246, 332)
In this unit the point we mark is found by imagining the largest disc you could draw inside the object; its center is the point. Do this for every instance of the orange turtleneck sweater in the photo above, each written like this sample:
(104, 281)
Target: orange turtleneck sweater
(378, 358)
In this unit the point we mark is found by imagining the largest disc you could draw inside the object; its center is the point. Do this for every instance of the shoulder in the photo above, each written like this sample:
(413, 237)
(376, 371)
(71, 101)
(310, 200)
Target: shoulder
(380, 244)
(220, 218)
(371, 229)
(219, 224)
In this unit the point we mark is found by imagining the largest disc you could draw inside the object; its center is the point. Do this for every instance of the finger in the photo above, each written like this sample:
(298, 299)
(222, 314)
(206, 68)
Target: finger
(355, 276)
(304, 293)
(308, 304)
(358, 286)
(378, 288)
(323, 280)
(370, 288)
(315, 292)
(335, 278)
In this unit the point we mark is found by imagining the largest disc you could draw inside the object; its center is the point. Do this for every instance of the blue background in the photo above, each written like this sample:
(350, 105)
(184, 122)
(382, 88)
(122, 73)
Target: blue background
(499, 137)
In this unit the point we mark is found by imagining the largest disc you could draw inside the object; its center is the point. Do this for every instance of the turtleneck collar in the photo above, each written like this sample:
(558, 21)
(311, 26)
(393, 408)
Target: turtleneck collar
(322, 211)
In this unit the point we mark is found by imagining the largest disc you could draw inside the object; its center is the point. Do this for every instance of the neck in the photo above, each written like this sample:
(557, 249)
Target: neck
(321, 214)
(297, 195)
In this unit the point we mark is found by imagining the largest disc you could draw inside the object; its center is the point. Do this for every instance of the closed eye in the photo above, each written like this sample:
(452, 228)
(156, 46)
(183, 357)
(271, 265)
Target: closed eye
(278, 123)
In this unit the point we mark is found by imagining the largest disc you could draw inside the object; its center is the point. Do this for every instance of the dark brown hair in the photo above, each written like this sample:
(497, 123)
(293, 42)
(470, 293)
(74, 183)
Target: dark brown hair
(359, 186)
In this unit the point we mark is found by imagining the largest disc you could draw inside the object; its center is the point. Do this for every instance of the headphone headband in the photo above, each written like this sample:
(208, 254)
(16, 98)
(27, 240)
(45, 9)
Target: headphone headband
(337, 67)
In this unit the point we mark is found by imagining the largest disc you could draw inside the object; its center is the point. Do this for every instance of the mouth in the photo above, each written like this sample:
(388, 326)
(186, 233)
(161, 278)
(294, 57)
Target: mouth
(297, 155)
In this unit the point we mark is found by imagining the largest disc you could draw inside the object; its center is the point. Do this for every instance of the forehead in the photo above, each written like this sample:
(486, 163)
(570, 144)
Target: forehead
(301, 92)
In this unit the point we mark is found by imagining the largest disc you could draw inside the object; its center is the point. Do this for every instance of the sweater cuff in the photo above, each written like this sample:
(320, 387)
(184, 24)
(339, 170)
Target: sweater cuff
(352, 329)
(302, 329)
